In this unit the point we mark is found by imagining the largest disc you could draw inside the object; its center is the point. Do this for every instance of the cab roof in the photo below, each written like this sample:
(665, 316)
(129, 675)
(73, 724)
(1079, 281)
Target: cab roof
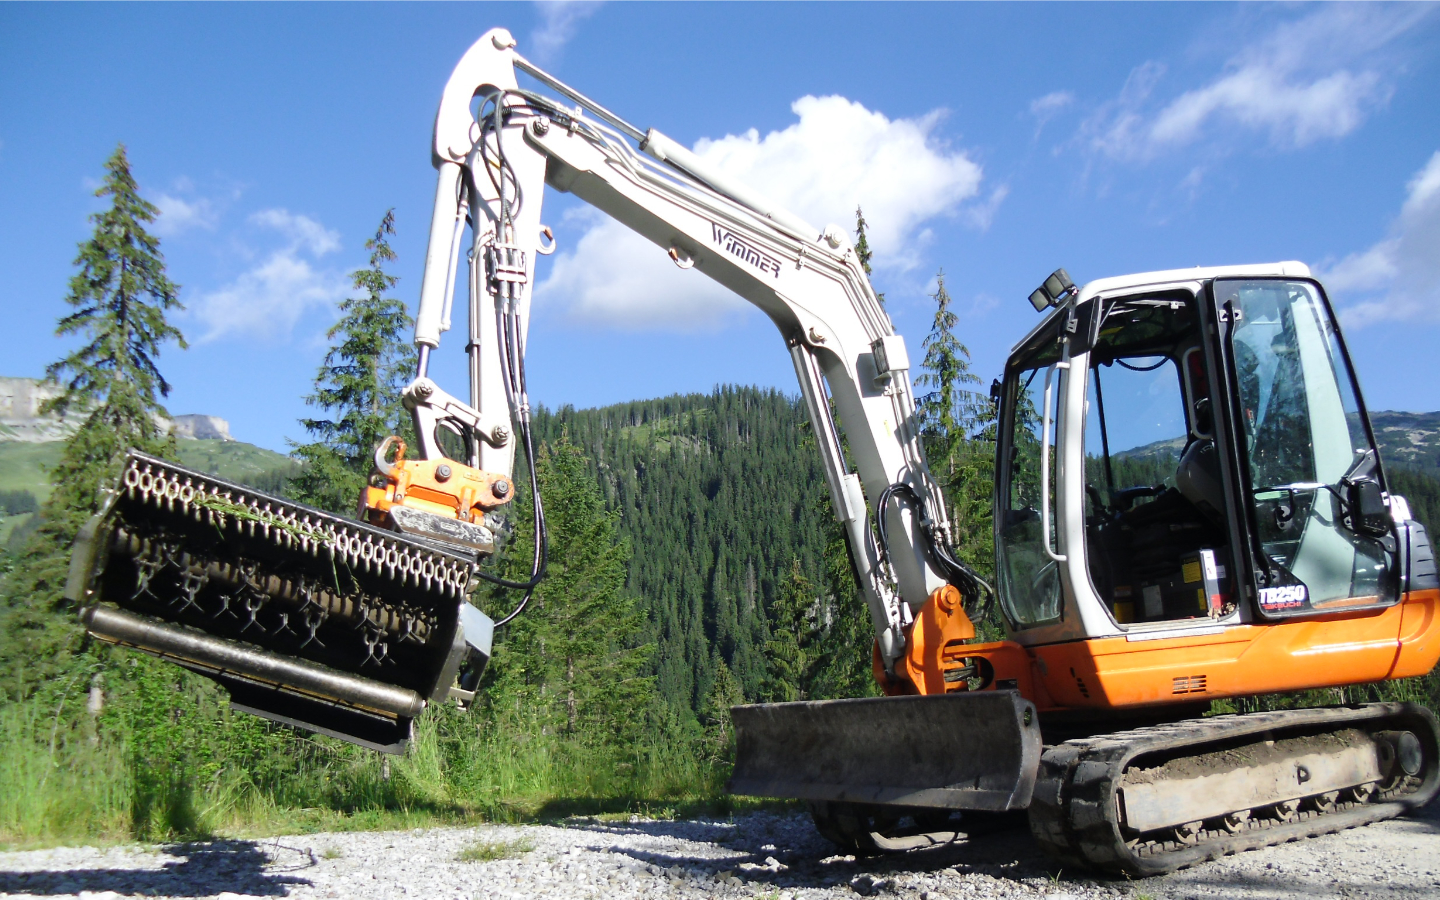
(1169, 278)
(1291, 269)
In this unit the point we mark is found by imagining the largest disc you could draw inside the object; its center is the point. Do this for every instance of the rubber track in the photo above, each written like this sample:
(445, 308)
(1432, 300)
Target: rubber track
(1075, 818)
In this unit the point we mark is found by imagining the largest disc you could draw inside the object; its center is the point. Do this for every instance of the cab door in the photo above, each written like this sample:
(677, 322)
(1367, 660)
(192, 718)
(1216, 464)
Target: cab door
(1320, 534)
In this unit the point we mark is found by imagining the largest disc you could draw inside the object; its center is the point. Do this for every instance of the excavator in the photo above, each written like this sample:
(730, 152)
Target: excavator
(1189, 506)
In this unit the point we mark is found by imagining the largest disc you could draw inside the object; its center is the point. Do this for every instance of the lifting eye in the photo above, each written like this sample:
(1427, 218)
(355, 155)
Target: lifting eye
(681, 258)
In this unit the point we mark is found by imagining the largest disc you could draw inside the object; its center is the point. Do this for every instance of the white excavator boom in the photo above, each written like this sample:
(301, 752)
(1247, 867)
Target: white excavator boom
(492, 169)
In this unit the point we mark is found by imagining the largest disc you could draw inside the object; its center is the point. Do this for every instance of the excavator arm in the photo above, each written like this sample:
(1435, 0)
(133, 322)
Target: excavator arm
(492, 168)
(352, 628)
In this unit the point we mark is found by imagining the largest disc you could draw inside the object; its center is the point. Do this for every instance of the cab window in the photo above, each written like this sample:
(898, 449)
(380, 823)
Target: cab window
(1029, 579)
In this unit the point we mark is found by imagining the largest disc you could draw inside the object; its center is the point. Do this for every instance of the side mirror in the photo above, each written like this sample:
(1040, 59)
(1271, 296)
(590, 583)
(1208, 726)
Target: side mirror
(1368, 513)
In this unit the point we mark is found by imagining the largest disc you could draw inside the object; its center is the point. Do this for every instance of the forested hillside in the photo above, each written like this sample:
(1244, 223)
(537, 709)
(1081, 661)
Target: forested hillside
(717, 496)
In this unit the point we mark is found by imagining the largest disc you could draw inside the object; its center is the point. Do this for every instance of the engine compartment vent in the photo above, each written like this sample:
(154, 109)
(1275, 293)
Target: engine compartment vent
(1188, 684)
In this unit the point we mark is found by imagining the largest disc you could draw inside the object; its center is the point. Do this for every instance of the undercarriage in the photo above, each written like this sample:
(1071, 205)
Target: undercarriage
(1153, 799)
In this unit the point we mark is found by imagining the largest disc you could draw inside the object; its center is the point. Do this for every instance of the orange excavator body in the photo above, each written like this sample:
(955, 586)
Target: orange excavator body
(1401, 641)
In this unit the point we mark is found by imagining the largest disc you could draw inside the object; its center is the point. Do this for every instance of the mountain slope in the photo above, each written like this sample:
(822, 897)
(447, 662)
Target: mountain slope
(716, 494)
(26, 465)
(1408, 439)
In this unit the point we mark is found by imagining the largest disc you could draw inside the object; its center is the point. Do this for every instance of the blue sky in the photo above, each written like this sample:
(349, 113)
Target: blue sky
(994, 141)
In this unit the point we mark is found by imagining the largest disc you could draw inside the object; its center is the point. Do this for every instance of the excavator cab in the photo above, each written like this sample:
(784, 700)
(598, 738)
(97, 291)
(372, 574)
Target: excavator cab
(1189, 454)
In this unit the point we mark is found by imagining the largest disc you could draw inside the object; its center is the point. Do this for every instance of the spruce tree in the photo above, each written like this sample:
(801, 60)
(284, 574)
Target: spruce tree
(948, 412)
(794, 656)
(958, 427)
(970, 489)
(725, 692)
(862, 249)
(843, 635)
(119, 298)
(574, 662)
(359, 384)
(847, 635)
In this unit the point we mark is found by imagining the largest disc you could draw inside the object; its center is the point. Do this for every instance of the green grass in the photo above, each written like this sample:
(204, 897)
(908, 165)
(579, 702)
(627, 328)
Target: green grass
(25, 467)
(55, 789)
(231, 460)
(669, 431)
(8, 524)
(67, 779)
(489, 851)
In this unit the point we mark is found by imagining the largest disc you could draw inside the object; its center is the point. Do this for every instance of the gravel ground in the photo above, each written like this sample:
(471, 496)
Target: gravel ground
(779, 857)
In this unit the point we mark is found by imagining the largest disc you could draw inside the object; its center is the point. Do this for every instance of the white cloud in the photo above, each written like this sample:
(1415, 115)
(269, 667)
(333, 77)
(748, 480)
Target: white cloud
(559, 20)
(837, 156)
(982, 303)
(1044, 107)
(1314, 78)
(302, 231)
(178, 215)
(840, 155)
(1397, 279)
(1296, 112)
(267, 300)
(981, 215)
(1116, 128)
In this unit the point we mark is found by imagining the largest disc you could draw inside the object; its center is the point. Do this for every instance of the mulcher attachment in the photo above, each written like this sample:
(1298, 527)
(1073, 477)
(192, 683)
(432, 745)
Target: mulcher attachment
(304, 617)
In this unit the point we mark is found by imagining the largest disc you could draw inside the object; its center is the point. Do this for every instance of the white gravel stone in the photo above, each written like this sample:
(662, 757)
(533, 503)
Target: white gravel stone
(757, 855)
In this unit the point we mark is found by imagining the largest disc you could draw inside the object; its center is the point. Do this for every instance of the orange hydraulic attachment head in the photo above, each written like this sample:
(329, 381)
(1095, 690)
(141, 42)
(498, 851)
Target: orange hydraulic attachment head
(441, 487)
(935, 651)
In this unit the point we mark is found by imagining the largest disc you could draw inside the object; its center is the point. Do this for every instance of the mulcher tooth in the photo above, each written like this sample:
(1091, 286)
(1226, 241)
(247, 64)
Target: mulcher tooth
(305, 617)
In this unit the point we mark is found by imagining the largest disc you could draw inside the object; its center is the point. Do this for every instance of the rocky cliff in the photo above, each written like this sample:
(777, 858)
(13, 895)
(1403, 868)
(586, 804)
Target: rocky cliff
(20, 418)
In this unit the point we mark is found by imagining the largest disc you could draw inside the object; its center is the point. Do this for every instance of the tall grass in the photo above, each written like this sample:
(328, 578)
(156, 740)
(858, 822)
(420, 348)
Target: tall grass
(54, 791)
(201, 770)
(168, 761)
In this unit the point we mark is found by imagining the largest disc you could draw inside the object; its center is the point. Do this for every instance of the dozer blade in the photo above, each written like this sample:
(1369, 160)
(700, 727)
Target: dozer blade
(976, 751)
(304, 617)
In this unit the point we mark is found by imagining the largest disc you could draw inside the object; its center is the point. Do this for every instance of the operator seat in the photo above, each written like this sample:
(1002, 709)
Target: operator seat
(1198, 480)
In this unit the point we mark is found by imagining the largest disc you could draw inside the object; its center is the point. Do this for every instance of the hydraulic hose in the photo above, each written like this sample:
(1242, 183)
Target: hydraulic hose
(975, 592)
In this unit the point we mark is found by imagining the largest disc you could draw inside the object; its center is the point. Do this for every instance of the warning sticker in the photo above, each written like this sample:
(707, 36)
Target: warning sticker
(1291, 596)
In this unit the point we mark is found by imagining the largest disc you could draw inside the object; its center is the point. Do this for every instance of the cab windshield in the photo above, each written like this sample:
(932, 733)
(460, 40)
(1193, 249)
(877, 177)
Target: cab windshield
(1304, 437)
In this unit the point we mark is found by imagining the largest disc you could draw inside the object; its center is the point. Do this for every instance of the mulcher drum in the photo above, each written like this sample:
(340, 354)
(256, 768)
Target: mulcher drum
(305, 617)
